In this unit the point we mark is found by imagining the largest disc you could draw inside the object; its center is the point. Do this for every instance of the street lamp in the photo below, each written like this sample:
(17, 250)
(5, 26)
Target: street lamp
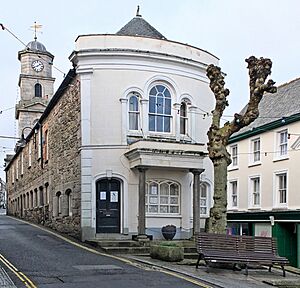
(21, 143)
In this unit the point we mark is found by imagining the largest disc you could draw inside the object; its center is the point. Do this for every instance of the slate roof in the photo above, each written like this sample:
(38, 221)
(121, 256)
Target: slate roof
(140, 27)
(273, 107)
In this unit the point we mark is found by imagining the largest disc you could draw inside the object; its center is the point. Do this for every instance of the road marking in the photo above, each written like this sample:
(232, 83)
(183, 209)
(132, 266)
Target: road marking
(127, 261)
(28, 283)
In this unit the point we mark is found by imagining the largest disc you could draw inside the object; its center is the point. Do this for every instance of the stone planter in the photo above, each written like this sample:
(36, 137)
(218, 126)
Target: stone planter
(167, 252)
(168, 231)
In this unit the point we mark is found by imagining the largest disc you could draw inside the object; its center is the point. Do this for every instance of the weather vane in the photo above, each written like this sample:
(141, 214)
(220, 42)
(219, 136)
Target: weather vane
(36, 27)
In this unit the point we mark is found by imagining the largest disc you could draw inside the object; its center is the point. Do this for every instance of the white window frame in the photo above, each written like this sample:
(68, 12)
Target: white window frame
(234, 156)
(134, 112)
(159, 196)
(156, 114)
(253, 189)
(230, 194)
(204, 201)
(276, 188)
(255, 153)
(281, 147)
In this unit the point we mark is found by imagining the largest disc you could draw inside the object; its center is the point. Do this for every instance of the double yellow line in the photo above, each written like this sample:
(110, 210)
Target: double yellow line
(27, 282)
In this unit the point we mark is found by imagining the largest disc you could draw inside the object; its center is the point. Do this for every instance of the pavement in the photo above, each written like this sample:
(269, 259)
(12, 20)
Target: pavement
(258, 277)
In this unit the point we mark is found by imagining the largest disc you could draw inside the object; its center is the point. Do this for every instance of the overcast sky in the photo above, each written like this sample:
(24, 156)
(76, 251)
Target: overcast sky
(232, 30)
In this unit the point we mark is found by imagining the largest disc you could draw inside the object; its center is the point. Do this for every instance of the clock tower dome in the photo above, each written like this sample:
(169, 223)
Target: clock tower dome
(36, 84)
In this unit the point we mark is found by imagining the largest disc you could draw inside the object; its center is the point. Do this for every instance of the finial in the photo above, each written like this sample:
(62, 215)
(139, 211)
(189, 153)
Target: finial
(138, 11)
(36, 27)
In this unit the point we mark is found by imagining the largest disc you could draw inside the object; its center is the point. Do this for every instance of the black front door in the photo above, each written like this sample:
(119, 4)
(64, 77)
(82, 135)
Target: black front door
(108, 206)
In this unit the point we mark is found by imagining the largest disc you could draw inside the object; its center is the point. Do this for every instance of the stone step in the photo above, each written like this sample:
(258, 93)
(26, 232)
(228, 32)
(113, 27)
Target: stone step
(114, 243)
(190, 250)
(190, 255)
(127, 250)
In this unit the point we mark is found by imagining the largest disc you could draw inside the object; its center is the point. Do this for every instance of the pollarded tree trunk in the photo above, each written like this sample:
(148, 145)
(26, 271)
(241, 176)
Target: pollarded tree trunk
(259, 70)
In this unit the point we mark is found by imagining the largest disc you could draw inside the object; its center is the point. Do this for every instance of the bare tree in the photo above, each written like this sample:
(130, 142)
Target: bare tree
(259, 70)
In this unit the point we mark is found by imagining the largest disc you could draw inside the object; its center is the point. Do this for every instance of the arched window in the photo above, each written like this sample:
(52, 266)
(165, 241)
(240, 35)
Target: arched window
(162, 196)
(69, 202)
(183, 118)
(160, 104)
(38, 90)
(134, 112)
(58, 203)
(204, 199)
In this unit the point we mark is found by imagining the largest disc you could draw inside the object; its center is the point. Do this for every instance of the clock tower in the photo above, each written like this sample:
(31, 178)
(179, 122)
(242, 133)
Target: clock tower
(36, 84)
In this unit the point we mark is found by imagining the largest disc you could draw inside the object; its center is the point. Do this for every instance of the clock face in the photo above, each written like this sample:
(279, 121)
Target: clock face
(37, 65)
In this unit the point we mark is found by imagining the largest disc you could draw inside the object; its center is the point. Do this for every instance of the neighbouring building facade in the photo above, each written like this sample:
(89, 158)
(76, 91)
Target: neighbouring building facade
(2, 194)
(263, 194)
(120, 150)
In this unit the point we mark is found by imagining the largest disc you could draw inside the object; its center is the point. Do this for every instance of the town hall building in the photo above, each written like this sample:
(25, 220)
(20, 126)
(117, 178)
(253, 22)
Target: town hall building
(120, 149)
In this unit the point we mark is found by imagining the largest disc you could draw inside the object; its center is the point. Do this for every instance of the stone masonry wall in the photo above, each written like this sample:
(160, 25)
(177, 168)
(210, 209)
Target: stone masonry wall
(43, 179)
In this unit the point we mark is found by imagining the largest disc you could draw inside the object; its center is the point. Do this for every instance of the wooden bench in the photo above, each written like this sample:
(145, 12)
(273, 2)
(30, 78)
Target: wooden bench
(245, 250)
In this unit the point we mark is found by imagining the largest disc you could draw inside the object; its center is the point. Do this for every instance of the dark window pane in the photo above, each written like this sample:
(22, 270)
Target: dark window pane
(153, 91)
(38, 90)
(182, 126)
(151, 123)
(133, 104)
(167, 93)
(159, 123)
(160, 105)
(152, 105)
(168, 106)
(167, 124)
(160, 88)
(133, 121)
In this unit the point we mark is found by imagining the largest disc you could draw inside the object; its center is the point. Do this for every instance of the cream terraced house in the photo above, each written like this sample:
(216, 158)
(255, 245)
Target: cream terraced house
(123, 141)
(263, 179)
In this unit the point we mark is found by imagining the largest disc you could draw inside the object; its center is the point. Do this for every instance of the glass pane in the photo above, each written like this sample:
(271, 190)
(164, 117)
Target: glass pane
(167, 93)
(182, 125)
(152, 106)
(203, 210)
(164, 189)
(164, 200)
(160, 105)
(153, 200)
(133, 104)
(164, 209)
(174, 209)
(153, 208)
(153, 91)
(133, 121)
(153, 189)
(174, 200)
(159, 124)
(167, 107)
(151, 123)
(203, 191)
(202, 202)
(174, 189)
(160, 88)
(167, 127)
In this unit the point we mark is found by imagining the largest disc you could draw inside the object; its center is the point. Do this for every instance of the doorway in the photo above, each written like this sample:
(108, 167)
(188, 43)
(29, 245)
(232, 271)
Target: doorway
(108, 206)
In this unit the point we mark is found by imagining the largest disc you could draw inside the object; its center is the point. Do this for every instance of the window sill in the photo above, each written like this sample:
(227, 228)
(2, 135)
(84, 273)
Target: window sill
(166, 215)
(281, 158)
(233, 209)
(254, 208)
(253, 164)
(232, 168)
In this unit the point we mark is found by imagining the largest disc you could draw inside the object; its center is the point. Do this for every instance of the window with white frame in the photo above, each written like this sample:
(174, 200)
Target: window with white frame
(203, 199)
(233, 190)
(183, 119)
(234, 155)
(255, 150)
(160, 109)
(282, 140)
(133, 112)
(162, 197)
(281, 188)
(255, 191)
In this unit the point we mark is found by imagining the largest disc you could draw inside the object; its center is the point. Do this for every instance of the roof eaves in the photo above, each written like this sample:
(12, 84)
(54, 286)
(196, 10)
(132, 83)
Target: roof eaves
(264, 128)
